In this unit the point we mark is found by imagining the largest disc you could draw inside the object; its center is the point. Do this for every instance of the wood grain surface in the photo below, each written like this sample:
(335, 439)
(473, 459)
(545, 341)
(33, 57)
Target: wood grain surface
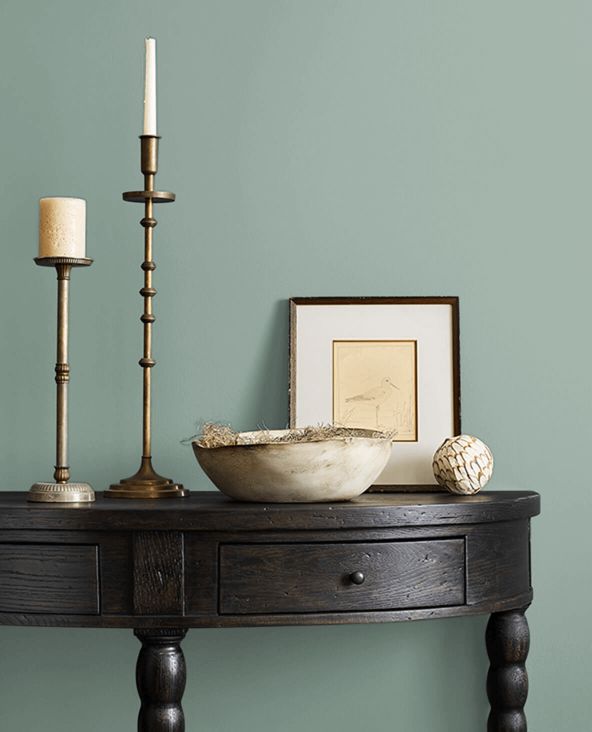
(159, 573)
(160, 678)
(293, 578)
(508, 641)
(41, 578)
(169, 576)
(211, 511)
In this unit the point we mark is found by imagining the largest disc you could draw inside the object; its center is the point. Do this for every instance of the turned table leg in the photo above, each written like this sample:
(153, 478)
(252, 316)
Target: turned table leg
(160, 678)
(507, 640)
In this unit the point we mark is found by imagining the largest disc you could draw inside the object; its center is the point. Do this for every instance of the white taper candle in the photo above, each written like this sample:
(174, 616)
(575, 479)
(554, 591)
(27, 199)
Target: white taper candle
(150, 88)
(62, 227)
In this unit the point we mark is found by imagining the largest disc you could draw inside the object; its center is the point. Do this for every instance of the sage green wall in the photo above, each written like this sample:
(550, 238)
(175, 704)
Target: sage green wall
(317, 147)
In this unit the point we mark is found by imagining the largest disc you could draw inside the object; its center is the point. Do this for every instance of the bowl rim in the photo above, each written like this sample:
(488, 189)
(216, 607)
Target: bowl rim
(350, 434)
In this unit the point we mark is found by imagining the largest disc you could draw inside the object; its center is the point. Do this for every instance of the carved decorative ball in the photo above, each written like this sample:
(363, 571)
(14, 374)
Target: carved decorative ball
(463, 464)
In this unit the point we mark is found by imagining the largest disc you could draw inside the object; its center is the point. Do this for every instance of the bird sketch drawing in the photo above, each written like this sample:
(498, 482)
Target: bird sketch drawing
(374, 386)
(376, 397)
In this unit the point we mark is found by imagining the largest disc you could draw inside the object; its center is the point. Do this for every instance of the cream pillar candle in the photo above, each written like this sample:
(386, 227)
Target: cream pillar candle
(150, 88)
(62, 227)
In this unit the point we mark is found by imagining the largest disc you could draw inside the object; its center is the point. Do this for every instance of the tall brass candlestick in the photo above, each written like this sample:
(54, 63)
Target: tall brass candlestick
(147, 483)
(62, 491)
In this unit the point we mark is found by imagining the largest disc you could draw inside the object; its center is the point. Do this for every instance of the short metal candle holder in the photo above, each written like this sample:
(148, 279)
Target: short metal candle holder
(62, 491)
(147, 483)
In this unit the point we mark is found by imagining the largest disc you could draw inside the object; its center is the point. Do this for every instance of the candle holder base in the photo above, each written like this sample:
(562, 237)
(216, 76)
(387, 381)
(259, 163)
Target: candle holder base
(146, 483)
(55, 261)
(61, 493)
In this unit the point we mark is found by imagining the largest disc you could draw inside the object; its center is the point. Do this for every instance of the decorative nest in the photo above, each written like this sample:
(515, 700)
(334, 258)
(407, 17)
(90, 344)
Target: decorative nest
(221, 435)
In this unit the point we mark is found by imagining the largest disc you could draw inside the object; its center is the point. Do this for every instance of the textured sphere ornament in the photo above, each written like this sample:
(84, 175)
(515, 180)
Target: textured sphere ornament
(463, 464)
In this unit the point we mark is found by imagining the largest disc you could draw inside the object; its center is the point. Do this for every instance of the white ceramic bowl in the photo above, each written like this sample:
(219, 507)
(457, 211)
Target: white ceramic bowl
(334, 469)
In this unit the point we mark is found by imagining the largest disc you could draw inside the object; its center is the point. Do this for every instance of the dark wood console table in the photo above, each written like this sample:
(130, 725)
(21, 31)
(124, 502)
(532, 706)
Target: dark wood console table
(162, 567)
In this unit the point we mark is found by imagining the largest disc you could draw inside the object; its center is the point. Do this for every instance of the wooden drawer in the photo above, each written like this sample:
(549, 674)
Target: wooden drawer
(312, 578)
(49, 578)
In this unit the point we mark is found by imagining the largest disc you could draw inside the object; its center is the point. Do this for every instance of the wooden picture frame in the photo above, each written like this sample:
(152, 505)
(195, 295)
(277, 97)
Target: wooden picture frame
(383, 363)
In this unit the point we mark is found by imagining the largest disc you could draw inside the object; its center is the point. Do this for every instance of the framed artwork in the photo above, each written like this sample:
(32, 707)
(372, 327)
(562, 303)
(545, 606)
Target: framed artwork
(385, 363)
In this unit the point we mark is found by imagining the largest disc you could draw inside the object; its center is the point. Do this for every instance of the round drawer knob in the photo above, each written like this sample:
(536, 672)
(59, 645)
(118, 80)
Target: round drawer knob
(357, 578)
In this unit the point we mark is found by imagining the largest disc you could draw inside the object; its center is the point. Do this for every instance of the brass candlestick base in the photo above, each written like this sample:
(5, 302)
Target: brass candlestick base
(62, 491)
(147, 483)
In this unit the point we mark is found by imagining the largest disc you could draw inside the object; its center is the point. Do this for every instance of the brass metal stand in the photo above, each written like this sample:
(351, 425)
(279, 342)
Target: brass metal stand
(147, 483)
(62, 491)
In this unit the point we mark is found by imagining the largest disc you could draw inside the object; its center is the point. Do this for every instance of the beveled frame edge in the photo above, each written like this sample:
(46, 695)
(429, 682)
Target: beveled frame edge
(452, 300)
(294, 302)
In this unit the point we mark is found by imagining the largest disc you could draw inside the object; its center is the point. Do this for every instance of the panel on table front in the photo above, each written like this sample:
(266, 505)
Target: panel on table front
(498, 562)
(159, 573)
(320, 577)
(45, 578)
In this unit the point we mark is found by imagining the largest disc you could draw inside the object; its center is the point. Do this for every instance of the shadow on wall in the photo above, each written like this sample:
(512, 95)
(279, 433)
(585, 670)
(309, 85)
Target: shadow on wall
(288, 679)
(265, 400)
